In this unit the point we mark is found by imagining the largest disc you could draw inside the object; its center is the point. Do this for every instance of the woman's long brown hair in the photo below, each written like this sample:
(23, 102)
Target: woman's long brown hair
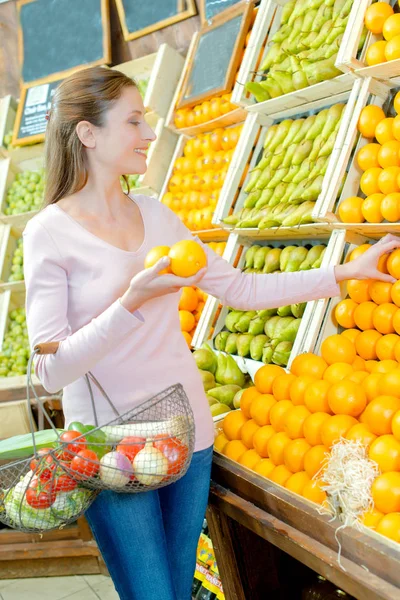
(84, 96)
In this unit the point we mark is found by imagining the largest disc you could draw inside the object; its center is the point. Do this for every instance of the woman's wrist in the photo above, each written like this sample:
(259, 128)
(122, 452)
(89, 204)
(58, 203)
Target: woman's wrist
(345, 272)
(130, 301)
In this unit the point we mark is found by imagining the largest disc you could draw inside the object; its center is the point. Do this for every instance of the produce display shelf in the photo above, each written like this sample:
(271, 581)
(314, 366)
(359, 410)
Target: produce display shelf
(298, 232)
(212, 235)
(266, 25)
(8, 172)
(8, 110)
(231, 118)
(163, 70)
(213, 315)
(251, 143)
(371, 92)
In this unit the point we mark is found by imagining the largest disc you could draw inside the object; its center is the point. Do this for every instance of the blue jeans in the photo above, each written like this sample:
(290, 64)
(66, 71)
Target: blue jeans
(148, 540)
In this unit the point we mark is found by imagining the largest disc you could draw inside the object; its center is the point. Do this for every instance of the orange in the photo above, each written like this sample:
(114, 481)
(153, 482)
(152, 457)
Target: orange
(385, 492)
(385, 366)
(293, 455)
(308, 364)
(220, 442)
(376, 53)
(188, 338)
(367, 156)
(336, 427)
(371, 208)
(247, 432)
(281, 386)
(277, 414)
(397, 346)
(380, 291)
(232, 424)
(249, 459)
(396, 127)
(261, 438)
(366, 344)
(389, 383)
(336, 348)
(298, 389)
(359, 363)
(260, 408)
(392, 49)
(276, 446)
(234, 449)
(358, 290)
(393, 263)
(389, 525)
(314, 459)
(216, 139)
(370, 116)
(371, 518)
(390, 207)
(382, 317)
(370, 386)
(296, 482)
(396, 324)
(388, 155)
(316, 396)
(385, 451)
(156, 254)
(357, 376)
(359, 251)
(391, 27)
(280, 475)
(312, 427)
(186, 320)
(351, 335)
(294, 421)
(264, 467)
(396, 425)
(369, 181)
(385, 347)
(187, 258)
(384, 130)
(350, 210)
(344, 313)
(387, 180)
(313, 491)
(189, 300)
(379, 413)
(363, 317)
(246, 399)
(376, 15)
(265, 376)
(347, 398)
(395, 293)
(361, 433)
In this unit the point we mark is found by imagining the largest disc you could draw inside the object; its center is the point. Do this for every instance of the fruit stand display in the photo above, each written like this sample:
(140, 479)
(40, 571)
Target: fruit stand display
(291, 163)
(299, 41)
(21, 190)
(11, 259)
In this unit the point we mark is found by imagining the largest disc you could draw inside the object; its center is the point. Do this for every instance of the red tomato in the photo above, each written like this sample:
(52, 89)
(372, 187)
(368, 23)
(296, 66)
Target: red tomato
(174, 450)
(72, 448)
(64, 484)
(130, 446)
(44, 465)
(39, 495)
(40, 453)
(85, 464)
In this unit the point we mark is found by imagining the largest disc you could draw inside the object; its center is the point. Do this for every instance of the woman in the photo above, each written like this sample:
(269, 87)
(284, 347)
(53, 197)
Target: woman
(86, 288)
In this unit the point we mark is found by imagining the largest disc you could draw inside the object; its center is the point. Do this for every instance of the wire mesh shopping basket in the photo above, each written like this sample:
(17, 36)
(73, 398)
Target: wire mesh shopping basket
(143, 449)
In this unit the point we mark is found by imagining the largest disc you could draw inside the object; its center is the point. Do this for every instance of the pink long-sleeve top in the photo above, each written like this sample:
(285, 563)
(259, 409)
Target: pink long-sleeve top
(73, 284)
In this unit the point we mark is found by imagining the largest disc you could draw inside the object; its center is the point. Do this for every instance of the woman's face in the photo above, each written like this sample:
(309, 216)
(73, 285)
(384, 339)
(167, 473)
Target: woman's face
(121, 144)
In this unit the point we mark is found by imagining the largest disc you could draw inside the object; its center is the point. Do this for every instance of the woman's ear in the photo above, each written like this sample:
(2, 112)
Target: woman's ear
(84, 131)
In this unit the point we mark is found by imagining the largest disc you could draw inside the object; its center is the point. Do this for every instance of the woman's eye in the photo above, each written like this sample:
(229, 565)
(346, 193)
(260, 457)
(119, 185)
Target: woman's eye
(135, 122)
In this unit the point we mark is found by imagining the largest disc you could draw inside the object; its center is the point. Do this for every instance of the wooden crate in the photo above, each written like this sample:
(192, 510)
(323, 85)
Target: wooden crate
(9, 237)
(250, 146)
(8, 171)
(163, 69)
(350, 60)
(371, 92)
(214, 314)
(267, 23)
(8, 109)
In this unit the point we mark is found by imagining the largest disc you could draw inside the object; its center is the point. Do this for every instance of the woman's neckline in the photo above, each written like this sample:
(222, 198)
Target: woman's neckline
(99, 239)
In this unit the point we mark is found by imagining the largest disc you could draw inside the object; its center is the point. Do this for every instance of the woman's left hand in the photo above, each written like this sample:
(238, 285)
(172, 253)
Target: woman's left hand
(366, 265)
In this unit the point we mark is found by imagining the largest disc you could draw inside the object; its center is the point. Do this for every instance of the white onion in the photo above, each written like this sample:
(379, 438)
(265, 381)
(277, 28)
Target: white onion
(150, 465)
(115, 469)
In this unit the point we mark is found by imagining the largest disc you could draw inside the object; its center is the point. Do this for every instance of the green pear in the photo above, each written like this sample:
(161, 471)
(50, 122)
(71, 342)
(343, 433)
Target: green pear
(309, 20)
(287, 11)
(231, 220)
(319, 167)
(318, 124)
(266, 313)
(243, 344)
(265, 197)
(304, 171)
(323, 15)
(225, 394)
(277, 178)
(253, 219)
(272, 57)
(249, 256)
(257, 90)
(242, 325)
(284, 311)
(288, 333)
(270, 135)
(299, 9)
(295, 259)
(231, 319)
(285, 255)
(283, 79)
(341, 8)
(211, 400)
(327, 148)
(270, 326)
(255, 174)
(313, 190)
(252, 199)
(208, 380)
(260, 257)
(289, 191)
(293, 131)
(301, 216)
(316, 3)
(264, 178)
(221, 368)
(267, 353)
(321, 70)
(298, 309)
(219, 409)
(277, 159)
(272, 262)
(302, 151)
(237, 398)
(293, 170)
(312, 255)
(287, 161)
(205, 360)
(297, 195)
(272, 87)
(281, 133)
(257, 325)
(257, 345)
(323, 34)
(281, 354)
(305, 128)
(278, 194)
(280, 327)
(220, 341)
(333, 117)
(230, 346)
(319, 260)
(265, 160)
(299, 80)
(317, 145)
(233, 375)
(281, 34)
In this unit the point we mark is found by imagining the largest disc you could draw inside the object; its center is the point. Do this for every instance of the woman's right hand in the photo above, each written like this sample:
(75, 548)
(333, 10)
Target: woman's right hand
(150, 284)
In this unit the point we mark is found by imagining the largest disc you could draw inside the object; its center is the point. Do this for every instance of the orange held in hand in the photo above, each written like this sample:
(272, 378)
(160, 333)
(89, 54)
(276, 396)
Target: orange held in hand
(155, 255)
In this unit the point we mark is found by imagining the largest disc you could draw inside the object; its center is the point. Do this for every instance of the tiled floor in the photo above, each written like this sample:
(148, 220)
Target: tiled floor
(76, 587)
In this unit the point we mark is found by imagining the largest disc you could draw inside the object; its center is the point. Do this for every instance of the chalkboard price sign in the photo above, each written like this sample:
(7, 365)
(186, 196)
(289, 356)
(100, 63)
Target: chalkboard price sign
(30, 122)
(58, 36)
(141, 17)
(209, 9)
(215, 56)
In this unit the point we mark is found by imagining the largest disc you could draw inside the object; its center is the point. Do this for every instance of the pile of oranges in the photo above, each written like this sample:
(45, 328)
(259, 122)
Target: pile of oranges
(380, 162)
(288, 422)
(380, 19)
(205, 112)
(198, 176)
(192, 302)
